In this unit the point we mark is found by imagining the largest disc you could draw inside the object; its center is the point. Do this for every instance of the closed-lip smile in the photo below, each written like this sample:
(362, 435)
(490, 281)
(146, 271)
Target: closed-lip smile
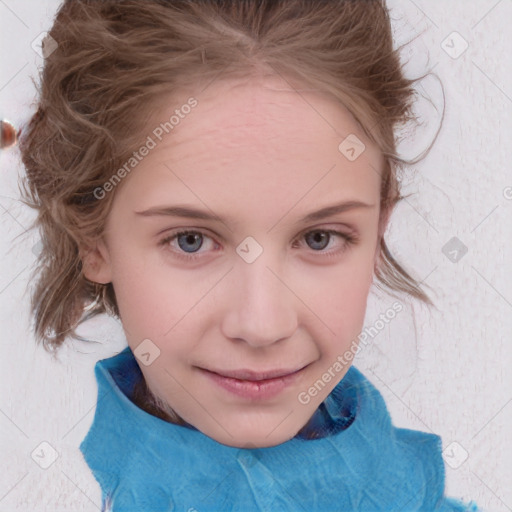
(252, 385)
(255, 376)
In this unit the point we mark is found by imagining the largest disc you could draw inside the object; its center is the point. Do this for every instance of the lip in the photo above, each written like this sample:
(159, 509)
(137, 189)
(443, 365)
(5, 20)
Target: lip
(254, 385)
(255, 376)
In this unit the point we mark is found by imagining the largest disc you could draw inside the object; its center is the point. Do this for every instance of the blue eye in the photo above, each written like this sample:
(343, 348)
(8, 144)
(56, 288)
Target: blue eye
(318, 237)
(192, 238)
(189, 242)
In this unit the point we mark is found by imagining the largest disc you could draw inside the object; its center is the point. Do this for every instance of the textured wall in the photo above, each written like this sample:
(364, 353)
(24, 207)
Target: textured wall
(444, 370)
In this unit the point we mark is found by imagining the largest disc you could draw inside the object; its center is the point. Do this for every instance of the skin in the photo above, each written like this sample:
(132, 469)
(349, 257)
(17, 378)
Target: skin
(263, 156)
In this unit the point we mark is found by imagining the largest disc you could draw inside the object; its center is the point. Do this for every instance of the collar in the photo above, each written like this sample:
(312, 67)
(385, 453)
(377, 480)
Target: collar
(349, 454)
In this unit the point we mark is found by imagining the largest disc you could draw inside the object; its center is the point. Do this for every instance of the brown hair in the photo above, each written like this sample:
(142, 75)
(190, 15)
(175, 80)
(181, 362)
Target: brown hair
(114, 59)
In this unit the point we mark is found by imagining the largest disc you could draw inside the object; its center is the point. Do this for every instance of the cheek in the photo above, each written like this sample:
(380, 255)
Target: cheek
(158, 301)
(346, 304)
(144, 295)
(341, 301)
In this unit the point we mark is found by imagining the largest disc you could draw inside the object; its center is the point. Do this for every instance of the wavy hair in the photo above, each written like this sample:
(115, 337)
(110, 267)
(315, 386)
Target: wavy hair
(116, 58)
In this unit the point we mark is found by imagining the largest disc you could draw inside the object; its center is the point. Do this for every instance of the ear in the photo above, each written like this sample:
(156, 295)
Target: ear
(96, 263)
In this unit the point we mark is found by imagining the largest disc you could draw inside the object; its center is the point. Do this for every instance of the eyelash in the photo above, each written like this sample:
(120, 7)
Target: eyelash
(349, 240)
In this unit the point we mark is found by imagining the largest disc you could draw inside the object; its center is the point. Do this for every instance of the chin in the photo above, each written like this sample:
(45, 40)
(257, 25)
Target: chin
(252, 437)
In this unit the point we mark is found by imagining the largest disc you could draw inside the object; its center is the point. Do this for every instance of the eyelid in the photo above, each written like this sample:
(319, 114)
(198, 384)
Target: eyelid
(337, 226)
(168, 233)
(182, 255)
(348, 239)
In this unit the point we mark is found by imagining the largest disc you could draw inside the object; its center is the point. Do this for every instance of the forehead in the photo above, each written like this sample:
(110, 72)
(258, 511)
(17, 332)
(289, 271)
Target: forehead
(260, 110)
(250, 144)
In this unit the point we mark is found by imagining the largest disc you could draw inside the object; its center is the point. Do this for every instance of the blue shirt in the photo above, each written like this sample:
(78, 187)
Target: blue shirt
(348, 458)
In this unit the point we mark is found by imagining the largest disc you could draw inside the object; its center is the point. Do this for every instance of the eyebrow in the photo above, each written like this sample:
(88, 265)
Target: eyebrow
(194, 213)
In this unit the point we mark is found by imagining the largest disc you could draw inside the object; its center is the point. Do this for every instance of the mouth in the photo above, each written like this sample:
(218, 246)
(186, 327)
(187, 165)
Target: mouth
(255, 376)
(254, 385)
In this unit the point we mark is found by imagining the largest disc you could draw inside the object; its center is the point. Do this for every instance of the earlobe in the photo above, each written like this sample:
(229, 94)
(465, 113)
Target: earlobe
(96, 264)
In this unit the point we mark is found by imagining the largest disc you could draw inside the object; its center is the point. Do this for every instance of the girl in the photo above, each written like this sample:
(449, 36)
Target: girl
(219, 175)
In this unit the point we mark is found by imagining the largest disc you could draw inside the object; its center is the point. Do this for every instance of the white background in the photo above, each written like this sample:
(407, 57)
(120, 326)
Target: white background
(444, 370)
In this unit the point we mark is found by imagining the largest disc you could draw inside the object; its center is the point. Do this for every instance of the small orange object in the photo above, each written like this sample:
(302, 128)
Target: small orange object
(8, 135)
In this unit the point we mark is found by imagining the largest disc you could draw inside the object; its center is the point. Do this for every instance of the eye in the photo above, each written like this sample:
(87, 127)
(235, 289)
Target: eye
(319, 239)
(186, 244)
(189, 242)
(192, 241)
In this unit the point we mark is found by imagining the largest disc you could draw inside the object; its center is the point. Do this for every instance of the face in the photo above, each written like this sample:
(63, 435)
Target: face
(243, 287)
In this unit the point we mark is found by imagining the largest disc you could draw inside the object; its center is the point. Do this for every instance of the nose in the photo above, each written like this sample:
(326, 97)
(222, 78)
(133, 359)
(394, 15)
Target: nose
(262, 309)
